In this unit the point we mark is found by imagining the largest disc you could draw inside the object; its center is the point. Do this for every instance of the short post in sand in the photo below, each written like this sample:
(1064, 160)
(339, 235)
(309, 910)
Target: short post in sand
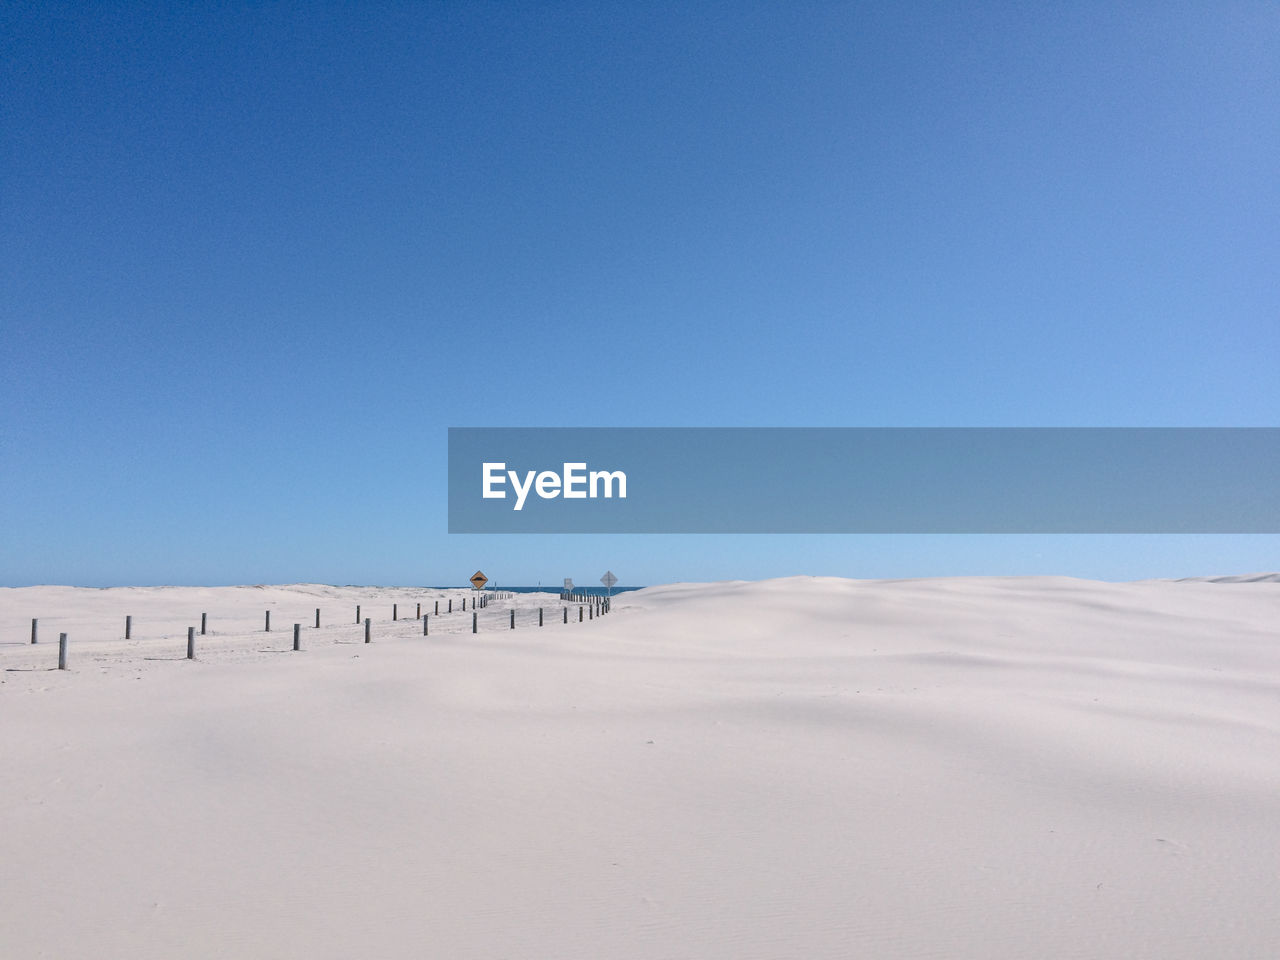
(357, 613)
(579, 613)
(395, 611)
(539, 616)
(34, 636)
(204, 624)
(450, 610)
(566, 614)
(317, 618)
(62, 651)
(366, 630)
(419, 613)
(297, 636)
(267, 626)
(437, 608)
(191, 643)
(128, 628)
(424, 624)
(473, 622)
(513, 619)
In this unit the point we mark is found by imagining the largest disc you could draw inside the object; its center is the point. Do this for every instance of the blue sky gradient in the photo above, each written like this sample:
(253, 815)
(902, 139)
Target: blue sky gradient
(257, 259)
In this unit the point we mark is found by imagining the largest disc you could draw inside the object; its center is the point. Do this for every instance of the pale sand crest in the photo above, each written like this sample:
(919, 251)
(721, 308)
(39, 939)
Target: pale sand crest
(803, 768)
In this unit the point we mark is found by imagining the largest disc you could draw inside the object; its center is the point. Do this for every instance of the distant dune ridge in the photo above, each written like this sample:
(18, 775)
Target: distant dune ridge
(1239, 578)
(810, 767)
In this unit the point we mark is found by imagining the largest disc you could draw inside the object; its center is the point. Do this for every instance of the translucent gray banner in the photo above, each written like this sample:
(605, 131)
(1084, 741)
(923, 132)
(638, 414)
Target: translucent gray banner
(864, 480)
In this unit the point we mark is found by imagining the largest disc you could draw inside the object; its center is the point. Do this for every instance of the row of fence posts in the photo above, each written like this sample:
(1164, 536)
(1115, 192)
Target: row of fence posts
(594, 606)
(600, 605)
(602, 602)
(266, 618)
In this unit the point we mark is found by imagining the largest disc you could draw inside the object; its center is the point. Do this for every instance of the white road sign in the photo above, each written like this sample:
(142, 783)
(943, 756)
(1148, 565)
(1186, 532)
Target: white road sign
(609, 579)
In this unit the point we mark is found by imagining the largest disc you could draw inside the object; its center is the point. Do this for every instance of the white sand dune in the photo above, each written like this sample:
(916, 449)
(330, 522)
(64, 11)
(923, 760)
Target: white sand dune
(1237, 578)
(800, 768)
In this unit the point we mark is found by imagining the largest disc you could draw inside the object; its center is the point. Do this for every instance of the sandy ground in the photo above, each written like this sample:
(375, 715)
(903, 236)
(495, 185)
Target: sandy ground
(799, 768)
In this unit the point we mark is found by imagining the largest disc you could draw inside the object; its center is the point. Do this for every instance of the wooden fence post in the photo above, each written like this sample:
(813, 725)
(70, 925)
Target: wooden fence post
(62, 651)
(395, 611)
(357, 613)
(513, 619)
(473, 621)
(539, 616)
(424, 625)
(366, 630)
(204, 624)
(128, 627)
(191, 643)
(317, 618)
(34, 637)
(297, 636)
(267, 628)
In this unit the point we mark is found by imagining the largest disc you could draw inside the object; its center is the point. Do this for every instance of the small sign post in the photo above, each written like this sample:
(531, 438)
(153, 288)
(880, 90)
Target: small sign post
(609, 580)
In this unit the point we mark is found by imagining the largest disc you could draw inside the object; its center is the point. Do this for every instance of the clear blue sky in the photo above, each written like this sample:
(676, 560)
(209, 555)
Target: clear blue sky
(257, 258)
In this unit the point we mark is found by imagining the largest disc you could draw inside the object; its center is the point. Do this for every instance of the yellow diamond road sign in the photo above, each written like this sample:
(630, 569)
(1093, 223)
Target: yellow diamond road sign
(479, 580)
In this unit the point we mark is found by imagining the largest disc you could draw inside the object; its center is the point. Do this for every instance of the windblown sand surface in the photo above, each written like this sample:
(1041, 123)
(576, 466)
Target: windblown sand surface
(802, 768)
